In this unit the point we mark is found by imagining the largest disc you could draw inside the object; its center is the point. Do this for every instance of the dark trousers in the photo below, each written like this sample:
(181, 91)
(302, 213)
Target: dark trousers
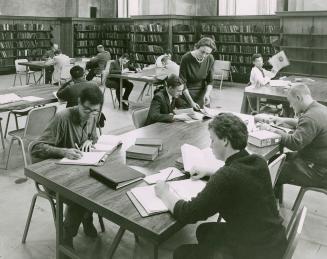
(299, 172)
(93, 70)
(48, 74)
(127, 85)
(211, 244)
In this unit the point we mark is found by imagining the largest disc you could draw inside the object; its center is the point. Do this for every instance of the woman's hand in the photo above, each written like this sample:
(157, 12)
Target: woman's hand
(72, 153)
(195, 106)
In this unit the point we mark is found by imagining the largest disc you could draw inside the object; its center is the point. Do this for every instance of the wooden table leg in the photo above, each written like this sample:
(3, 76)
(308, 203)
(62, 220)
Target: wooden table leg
(116, 242)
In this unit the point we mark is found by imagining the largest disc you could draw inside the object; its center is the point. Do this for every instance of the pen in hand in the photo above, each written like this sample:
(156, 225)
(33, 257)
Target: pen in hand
(169, 175)
(77, 146)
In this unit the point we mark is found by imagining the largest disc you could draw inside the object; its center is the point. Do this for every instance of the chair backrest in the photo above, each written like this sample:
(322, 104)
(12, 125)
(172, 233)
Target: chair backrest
(275, 168)
(37, 120)
(20, 68)
(139, 117)
(295, 232)
(106, 71)
(222, 67)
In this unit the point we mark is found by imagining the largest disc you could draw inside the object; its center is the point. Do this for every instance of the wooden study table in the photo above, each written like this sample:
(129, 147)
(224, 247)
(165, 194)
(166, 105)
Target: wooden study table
(74, 183)
(39, 65)
(318, 90)
(42, 91)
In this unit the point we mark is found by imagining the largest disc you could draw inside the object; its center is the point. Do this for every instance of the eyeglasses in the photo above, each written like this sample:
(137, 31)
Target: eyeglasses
(89, 110)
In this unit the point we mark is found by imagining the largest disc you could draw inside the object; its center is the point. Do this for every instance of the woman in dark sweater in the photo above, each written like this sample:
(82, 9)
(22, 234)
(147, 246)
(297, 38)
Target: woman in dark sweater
(196, 73)
(241, 192)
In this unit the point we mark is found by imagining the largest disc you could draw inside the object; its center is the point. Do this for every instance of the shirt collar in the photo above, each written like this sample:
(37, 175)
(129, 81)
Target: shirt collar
(238, 155)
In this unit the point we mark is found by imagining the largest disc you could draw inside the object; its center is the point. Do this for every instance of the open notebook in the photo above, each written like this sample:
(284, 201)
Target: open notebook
(107, 143)
(147, 203)
(88, 158)
(192, 115)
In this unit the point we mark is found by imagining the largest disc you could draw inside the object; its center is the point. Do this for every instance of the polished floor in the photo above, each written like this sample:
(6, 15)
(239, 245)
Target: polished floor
(15, 201)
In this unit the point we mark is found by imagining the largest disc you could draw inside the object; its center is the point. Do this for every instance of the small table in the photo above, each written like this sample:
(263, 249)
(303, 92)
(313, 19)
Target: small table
(318, 90)
(37, 64)
(74, 183)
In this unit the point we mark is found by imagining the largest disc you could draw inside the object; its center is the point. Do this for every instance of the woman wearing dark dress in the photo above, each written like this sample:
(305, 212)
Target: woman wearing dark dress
(196, 73)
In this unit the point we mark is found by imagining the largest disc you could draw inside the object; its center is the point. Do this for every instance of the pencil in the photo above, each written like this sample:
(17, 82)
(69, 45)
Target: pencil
(169, 175)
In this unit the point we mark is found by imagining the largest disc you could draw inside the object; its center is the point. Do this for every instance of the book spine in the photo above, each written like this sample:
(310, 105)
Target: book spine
(102, 179)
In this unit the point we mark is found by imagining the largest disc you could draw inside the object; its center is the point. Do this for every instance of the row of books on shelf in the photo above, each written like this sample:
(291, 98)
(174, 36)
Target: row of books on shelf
(85, 52)
(86, 43)
(146, 38)
(6, 62)
(89, 27)
(116, 27)
(116, 51)
(236, 58)
(6, 35)
(252, 39)
(33, 52)
(114, 43)
(145, 58)
(154, 27)
(115, 35)
(32, 27)
(6, 53)
(182, 48)
(6, 44)
(177, 58)
(32, 44)
(184, 38)
(87, 35)
(184, 28)
(234, 28)
(147, 48)
(34, 35)
(247, 49)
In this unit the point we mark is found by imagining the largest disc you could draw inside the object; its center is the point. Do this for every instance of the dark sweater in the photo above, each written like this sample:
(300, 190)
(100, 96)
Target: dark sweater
(241, 192)
(310, 136)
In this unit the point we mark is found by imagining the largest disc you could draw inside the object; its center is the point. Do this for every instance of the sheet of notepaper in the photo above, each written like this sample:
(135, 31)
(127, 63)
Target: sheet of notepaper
(172, 172)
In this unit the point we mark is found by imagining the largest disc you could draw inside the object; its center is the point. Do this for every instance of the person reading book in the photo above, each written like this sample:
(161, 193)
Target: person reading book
(307, 164)
(164, 102)
(71, 128)
(260, 76)
(240, 191)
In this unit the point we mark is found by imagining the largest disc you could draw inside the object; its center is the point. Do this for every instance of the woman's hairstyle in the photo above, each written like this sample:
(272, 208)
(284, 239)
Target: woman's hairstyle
(92, 94)
(255, 56)
(206, 41)
(230, 127)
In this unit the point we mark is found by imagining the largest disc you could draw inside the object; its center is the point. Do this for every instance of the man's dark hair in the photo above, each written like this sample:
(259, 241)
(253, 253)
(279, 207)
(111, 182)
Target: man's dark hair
(255, 56)
(57, 52)
(230, 127)
(76, 72)
(92, 94)
(173, 81)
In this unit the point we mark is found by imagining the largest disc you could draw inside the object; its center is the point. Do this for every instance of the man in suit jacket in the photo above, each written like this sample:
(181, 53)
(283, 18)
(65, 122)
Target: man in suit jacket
(163, 103)
(97, 63)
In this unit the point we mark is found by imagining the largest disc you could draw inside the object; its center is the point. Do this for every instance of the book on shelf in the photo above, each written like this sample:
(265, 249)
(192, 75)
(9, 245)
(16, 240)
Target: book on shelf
(116, 175)
(156, 27)
(150, 142)
(142, 152)
(183, 28)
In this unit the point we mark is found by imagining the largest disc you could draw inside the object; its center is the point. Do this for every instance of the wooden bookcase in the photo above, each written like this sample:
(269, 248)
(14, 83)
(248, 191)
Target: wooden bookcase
(239, 37)
(304, 40)
(25, 38)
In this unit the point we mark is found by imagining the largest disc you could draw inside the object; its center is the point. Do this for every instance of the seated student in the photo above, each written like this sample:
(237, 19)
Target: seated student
(260, 76)
(170, 65)
(307, 165)
(98, 63)
(159, 62)
(117, 67)
(49, 54)
(164, 102)
(70, 127)
(241, 191)
(58, 61)
(70, 91)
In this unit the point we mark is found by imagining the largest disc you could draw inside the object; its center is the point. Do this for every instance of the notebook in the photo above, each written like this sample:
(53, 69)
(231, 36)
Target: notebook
(150, 142)
(88, 158)
(147, 203)
(107, 143)
(172, 172)
(116, 175)
(142, 152)
(191, 114)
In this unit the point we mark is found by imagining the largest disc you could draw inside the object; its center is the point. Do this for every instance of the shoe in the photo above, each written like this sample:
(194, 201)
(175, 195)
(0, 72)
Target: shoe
(125, 106)
(89, 229)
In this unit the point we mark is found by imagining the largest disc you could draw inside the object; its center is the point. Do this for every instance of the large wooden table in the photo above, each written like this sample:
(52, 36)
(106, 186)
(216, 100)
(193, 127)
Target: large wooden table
(74, 183)
(42, 91)
(318, 90)
(39, 65)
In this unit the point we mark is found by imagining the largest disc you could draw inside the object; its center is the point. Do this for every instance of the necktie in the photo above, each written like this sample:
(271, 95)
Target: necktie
(172, 104)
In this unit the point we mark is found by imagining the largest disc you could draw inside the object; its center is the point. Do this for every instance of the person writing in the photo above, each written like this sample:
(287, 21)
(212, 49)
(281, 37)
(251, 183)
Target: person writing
(241, 192)
(164, 102)
(98, 63)
(196, 73)
(58, 62)
(70, 132)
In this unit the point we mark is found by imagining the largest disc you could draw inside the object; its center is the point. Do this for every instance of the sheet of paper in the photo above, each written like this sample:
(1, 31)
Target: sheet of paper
(163, 174)
(32, 98)
(182, 111)
(279, 61)
(88, 158)
(109, 139)
(9, 98)
(187, 189)
(282, 83)
(104, 148)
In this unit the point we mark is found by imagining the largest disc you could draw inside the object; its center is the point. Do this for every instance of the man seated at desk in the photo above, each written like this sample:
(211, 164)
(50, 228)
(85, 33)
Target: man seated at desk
(71, 131)
(98, 63)
(241, 192)
(260, 76)
(59, 61)
(119, 66)
(70, 91)
(307, 165)
(170, 65)
(164, 102)
(49, 54)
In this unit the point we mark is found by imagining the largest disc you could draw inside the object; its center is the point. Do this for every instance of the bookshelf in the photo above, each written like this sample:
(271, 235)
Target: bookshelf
(183, 40)
(303, 38)
(239, 37)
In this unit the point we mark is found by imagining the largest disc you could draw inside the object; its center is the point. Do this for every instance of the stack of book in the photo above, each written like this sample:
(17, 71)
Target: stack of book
(145, 149)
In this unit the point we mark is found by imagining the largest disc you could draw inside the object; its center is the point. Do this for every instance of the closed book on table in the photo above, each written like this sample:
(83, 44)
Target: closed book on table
(142, 152)
(150, 142)
(264, 138)
(116, 175)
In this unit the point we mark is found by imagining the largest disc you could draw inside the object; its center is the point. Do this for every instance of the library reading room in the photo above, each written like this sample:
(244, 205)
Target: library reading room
(163, 129)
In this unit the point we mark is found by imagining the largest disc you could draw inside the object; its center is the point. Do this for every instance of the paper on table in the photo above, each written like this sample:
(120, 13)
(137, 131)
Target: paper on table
(32, 98)
(9, 98)
(282, 83)
(88, 158)
(109, 139)
(279, 61)
(163, 174)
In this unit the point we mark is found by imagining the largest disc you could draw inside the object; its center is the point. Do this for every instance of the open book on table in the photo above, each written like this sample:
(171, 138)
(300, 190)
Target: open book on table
(190, 114)
(88, 158)
(107, 143)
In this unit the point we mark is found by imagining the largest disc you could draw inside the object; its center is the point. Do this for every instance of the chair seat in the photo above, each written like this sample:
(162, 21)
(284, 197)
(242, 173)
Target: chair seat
(17, 133)
(22, 112)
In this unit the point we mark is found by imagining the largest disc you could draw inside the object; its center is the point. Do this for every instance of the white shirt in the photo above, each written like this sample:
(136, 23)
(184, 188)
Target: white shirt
(158, 60)
(260, 78)
(170, 97)
(58, 62)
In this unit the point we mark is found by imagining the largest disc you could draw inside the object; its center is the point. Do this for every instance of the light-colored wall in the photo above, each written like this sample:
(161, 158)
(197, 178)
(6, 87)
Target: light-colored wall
(305, 5)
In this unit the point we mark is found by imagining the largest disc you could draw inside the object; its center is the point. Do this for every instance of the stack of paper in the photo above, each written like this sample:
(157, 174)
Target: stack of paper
(32, 98)
(282, 83)
(192, 115)
(107, 143)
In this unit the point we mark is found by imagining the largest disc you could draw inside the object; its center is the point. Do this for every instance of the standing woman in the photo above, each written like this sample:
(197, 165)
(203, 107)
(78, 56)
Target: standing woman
(196, 73)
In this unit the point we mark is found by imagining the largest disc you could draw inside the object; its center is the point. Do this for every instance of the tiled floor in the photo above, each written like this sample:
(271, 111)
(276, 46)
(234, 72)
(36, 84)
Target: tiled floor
(15, 201)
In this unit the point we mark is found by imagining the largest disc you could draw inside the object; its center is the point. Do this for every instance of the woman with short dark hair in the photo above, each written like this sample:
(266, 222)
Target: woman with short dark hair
(196, 73)
(241, 192)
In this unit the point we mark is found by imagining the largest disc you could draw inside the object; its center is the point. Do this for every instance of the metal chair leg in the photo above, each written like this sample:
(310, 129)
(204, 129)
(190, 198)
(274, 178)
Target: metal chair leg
(20, 79)
(14, 80)
(16, 121)
(221, 83)
(2, 137)
(7, 124)
(295, 208)
(103, 229)
(112, 98)
(29, 218)
(23, 150)
(11, 142)
(116, 241)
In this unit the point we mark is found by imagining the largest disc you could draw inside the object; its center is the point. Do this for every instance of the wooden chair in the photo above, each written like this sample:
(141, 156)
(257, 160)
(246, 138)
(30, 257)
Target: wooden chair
(139, 117)
(51, 197)
(294, 234)
(36, 122)
(23, 71)
(222, 71)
